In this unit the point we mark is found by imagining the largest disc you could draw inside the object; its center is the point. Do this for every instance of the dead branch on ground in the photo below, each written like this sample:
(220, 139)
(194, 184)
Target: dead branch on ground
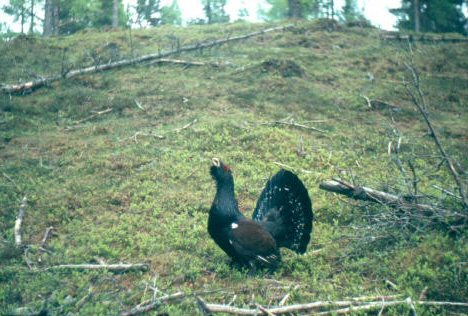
(19, 221)
(43, 81)
(186, 63)
(420, 38)
(150, 306)
(290, 122)
(161, 136)
(349, 306)
(95, 114)
(119, 267)
(47, 234)
(367, 194)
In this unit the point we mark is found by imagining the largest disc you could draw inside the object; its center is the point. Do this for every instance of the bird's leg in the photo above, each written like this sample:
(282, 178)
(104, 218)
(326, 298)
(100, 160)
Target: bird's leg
(252, 268)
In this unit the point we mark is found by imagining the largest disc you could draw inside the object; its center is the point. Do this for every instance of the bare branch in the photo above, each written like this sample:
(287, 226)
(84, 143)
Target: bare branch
(120, 267)
(47, 234)
(18, 88)
(19, 221)
(95, 114)
(367, 194)
(421, 106)
(145, 308)
(291, 122)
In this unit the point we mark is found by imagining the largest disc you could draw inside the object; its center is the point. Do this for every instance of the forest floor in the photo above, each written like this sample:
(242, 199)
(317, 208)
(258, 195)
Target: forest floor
(117, 163)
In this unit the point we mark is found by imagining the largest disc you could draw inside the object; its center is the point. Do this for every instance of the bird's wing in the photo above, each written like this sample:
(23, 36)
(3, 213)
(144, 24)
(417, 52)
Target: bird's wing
(252, 242)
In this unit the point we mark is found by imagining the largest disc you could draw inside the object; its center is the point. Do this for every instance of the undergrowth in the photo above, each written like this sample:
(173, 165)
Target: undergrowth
(132, 184)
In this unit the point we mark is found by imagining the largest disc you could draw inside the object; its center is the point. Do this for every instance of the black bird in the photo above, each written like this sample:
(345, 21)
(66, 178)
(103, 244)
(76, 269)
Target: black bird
(282, 218)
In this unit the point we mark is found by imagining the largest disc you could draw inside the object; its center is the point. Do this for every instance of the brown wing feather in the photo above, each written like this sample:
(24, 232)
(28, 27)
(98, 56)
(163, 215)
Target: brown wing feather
(252, 242)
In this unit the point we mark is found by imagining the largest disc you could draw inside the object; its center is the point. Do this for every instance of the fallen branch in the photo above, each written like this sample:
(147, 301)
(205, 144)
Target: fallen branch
(367, 194)
(436, 303)
(177, 130)
(186, 63)
(19, 221)
(291, 122)
(366, 307)
(161, 136)
(421, 38)
(26, 86)
(219, 308)
(47, 234)
(120, 267)
(95, 114)
(350, 306)
(147, 307)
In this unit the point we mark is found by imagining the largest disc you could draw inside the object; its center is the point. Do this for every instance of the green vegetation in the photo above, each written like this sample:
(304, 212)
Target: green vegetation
(116, 192)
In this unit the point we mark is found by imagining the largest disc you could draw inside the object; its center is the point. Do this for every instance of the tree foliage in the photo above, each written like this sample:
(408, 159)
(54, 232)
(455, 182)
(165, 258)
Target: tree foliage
(302, 9)
(171, 14)
(151, 13)
(434, 16)
(214, 11)
(17, 9)
(351, 12)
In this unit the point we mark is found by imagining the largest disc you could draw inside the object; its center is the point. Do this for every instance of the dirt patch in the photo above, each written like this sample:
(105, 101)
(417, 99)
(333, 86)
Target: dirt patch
(285, 68)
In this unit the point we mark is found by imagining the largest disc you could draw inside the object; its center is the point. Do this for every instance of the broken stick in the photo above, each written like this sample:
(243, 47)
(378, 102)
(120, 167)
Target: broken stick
(19, 221)
(367, 194)
(120, 267)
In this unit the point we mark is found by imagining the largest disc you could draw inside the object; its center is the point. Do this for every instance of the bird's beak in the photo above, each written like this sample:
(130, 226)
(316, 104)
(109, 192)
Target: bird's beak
(215, 162)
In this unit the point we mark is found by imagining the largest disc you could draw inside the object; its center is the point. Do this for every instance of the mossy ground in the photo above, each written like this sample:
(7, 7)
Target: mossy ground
(114, 191)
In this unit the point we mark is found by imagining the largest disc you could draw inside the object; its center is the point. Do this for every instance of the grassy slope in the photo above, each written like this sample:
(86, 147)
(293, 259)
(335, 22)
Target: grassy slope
(117, 198)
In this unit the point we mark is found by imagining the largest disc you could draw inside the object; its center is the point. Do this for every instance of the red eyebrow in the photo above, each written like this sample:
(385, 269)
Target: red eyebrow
(226, 168)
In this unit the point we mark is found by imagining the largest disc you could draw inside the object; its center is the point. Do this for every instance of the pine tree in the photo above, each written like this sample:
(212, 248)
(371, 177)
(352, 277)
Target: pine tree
(350, 12)
(297, 9)
(214, 11)
(148, 11)
(171, 14)
(431, 16)
(17, 8)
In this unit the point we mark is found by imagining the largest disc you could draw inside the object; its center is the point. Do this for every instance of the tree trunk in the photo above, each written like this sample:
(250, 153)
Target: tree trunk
(47, 29)
(115, 14)
(208, 13)
(55, 19)
(22, 18)
(417, 22)
(31, 14)
(51, 18)
(332, 9)
(295, 10)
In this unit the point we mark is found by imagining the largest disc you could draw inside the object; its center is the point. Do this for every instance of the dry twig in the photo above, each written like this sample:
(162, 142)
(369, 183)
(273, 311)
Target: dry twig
(420, 104)
(119, 267)
(147, 307)
(19, 221)
(290, 122)
(95, 114)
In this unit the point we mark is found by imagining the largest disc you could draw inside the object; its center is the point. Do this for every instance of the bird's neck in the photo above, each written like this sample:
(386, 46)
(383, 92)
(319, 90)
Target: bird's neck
(225, 203)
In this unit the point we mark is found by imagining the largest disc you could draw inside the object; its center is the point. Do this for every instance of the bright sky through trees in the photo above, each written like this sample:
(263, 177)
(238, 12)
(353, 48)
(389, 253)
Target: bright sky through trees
(375, 10)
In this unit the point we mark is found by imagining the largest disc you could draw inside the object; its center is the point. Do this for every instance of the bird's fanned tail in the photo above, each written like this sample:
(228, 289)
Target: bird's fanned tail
(285, 210)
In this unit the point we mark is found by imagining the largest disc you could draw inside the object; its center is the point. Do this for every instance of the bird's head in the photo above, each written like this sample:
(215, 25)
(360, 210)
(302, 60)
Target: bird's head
(220, 171)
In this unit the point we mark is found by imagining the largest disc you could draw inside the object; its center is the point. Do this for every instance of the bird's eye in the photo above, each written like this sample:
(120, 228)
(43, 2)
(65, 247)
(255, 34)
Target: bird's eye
(226, 168)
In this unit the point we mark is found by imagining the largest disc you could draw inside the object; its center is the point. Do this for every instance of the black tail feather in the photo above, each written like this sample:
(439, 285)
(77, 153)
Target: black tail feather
(285, 210)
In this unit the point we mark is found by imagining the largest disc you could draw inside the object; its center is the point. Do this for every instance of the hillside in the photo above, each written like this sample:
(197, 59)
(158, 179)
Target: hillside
(117, 163)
